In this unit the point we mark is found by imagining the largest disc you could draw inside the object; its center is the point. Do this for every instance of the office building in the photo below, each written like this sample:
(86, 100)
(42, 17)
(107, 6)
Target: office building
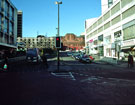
(19, 23)
(113, 33)
(37, 42)
(8, 26)
(105, 4)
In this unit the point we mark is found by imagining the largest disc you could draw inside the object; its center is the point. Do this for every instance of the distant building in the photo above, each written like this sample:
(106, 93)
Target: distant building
(71, 41)
(19, 23)
(8, 26)
(37, 42)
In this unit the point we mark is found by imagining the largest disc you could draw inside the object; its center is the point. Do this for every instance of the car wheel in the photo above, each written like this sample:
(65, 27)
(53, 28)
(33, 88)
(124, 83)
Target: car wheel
(87, 61)
(90, 61)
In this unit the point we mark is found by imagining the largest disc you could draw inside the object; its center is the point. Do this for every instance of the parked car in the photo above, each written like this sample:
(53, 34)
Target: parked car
(85, 58)
(69, 53)
(74, 54)
(32, 55)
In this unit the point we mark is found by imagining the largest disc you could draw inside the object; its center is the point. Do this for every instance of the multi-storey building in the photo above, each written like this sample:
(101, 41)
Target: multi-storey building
(19, 23)
(8, 26)
(113, 33)
(105, 4)
(37, 42)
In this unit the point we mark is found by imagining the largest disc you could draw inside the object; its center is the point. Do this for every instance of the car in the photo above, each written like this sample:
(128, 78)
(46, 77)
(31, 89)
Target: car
(69, 53)
(76, 55)
(85, 58)
(32, 55)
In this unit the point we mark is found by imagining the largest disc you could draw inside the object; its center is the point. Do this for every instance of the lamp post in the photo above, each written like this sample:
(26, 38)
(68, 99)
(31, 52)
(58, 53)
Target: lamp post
(58, 35)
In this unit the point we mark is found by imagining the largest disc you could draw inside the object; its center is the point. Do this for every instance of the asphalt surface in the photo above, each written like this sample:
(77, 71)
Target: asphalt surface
(81, 84)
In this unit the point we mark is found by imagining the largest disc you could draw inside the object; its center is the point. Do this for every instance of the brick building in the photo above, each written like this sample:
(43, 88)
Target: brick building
(71, 41)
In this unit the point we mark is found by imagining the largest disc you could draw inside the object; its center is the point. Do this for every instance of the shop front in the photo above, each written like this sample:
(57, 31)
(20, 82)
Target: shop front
(128, 47)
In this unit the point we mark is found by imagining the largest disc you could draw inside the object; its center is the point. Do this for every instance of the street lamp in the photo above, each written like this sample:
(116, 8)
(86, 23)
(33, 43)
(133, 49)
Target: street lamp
(58, 34)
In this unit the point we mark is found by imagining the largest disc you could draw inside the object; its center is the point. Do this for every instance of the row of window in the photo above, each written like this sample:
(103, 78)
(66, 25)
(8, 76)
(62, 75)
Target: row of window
(7, 9)
(114, 21)
(6, 39)
(44, 40)
(6, 26)
(110, 13)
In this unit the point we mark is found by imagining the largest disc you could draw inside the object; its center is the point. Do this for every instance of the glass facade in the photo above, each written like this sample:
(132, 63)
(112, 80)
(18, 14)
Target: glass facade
(6, 8)
(11, 12)
(0, 22)
(6, 26)
(8, 22)
(11, 28)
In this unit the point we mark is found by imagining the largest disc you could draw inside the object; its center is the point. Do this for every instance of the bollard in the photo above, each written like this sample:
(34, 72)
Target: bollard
(5, 67)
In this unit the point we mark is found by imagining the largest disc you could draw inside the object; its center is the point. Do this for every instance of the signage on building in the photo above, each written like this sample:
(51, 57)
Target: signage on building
(129, 43)
(91, 40)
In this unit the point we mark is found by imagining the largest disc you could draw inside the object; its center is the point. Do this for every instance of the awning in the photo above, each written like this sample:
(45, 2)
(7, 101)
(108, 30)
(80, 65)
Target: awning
(3, 45)
(127, 48)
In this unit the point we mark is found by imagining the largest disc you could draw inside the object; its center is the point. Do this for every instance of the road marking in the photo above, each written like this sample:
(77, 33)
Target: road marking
(64, 75)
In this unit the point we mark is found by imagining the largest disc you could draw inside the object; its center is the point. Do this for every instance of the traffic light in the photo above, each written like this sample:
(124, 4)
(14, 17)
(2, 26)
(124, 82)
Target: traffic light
(58, 42)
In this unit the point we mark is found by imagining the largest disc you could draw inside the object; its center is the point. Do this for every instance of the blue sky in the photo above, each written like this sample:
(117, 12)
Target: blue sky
(41, 16)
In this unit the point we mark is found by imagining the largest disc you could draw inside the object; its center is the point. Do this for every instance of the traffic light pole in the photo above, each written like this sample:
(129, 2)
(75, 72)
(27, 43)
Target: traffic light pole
(58, 60)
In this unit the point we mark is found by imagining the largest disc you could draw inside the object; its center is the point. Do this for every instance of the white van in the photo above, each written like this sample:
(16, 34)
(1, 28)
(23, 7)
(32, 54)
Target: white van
(32, 55)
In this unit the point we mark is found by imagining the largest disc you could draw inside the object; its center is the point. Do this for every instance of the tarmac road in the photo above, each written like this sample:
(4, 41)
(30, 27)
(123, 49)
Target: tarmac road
(86, 84)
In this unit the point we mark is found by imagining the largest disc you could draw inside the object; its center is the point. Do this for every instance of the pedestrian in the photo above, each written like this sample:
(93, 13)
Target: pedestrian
(130, 61)
(44, 60)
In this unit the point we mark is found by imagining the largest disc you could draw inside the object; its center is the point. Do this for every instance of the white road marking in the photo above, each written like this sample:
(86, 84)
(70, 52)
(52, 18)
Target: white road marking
(64, 75)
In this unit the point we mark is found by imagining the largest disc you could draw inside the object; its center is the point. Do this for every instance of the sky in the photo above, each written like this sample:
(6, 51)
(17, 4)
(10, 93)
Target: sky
(41, 16)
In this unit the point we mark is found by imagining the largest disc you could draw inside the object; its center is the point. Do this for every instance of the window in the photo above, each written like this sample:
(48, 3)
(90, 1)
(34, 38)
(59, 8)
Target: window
(129, 32)
(0, 5)
(0, 22)
(100, 21)
(125, 2)
(6, 26)
(110, 2)
(128, 12)
(6, 8)
(100, 29)
(107, 25)
(107, 15)
(115, 9)
(10, 28)
(107, 40)
(11, 12)
(116, 20)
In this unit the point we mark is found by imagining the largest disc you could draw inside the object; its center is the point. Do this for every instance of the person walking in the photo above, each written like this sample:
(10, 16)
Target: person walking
(130, 61)
(43, 56)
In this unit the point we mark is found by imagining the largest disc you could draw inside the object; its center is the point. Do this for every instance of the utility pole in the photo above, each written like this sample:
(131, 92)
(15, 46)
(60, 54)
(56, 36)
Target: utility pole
(58, 61)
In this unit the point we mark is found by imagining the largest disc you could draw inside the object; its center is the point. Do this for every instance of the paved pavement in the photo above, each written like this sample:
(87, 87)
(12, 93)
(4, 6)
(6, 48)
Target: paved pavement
(121, 64)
